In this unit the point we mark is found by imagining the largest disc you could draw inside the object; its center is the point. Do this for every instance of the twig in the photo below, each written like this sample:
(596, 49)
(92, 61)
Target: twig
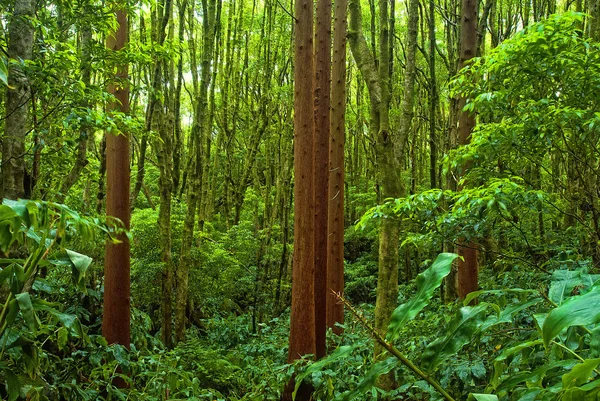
(393, 350)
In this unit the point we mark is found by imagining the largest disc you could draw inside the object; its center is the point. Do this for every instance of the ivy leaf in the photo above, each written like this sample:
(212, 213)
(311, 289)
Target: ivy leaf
(577, 311)
(460, 331)
(427, 282)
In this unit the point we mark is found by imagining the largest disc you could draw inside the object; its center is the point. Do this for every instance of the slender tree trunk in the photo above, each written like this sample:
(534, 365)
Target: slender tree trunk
(321, 166)
(433, 99)
(116, 316)
(335, 242)
(81, 160)
(194, 188)
(467, 265)
(20, 47)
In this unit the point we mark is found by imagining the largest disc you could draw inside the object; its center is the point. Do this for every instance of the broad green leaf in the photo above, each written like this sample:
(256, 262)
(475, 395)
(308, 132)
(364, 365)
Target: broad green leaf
(24, 301)
(13, 386)
(3, 72)
(475, 294)
(507, 314)
(427, 282)
(80, 264)
(339, 353)
(580, 374)
(564, 283)
(459, 332)
(577, 311)
(17, 279)
(62, 336)
(482, 397)
(380, 368)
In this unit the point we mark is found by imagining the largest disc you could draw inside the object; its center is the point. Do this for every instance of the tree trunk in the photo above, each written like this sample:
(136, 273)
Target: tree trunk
(81, 160)
(20, 46)
(302, 319)
(115, 320)
(194, 188)
(467, 265)
(335, 242)
(321, 166)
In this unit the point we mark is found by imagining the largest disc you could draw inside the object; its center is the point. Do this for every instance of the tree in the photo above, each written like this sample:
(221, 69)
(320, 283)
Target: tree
(20, 45)
(302, 319)
(467, 265)
(116, 317)
(321, 166)
(335, 242)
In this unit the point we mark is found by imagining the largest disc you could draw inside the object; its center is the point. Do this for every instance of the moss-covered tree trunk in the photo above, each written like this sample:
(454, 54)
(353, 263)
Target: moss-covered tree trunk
(390, 148)
(194, 187)
(20, 45)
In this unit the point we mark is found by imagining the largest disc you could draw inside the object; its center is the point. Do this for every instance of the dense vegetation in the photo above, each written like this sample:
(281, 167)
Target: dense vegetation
(214, 149)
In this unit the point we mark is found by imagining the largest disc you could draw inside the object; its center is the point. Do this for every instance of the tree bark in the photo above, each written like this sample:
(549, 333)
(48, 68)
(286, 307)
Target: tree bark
(321, 166)
(302, 319)
(335, 243)
(467, 265)
(116, 317)
(20, 47)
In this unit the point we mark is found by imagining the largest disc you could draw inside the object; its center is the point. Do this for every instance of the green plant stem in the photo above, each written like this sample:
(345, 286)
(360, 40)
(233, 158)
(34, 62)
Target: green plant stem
(394, 351)
(570, 351)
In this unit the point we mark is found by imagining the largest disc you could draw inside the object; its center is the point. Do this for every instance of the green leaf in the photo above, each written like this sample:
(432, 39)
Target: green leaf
(460, 332)
(577, 311)
(580, 373)
(339, 353)
(80, 264)
(24, 301)
(482, 397)
(13, 386)
(62, 337)
(3, 72)
(368, 382)
(427, 282)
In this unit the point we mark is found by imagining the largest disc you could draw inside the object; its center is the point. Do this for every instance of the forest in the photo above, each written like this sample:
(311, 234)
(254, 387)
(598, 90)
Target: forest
(300, 200)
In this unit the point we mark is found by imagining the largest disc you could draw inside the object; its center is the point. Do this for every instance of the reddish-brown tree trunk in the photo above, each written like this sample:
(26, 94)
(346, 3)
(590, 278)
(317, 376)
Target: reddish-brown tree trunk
(302, 319)
(321, 167)
(115, 321)
(467, 268)
(335, 244)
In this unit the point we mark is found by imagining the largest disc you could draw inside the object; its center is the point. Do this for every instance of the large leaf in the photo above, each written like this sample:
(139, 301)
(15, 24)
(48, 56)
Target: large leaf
(339, 353)
(80, 264)
(577, 311)
(565, 282)
(482, 397)
(24, 302)
(460, 332)
(507, 314)
(580, 374)
(427, 282)
(380, 368)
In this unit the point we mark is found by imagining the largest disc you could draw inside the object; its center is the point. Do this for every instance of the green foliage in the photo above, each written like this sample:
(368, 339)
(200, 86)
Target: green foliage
(427, 283)
(34, 236)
